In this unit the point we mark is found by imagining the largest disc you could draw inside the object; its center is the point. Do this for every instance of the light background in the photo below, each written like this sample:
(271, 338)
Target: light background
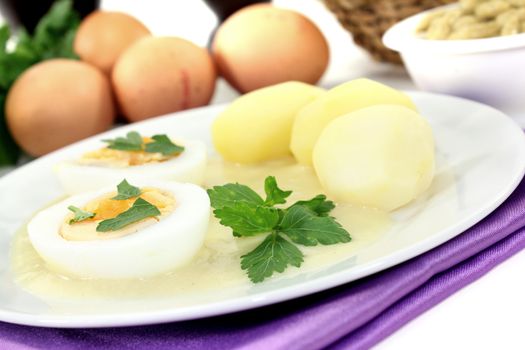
(488, 314)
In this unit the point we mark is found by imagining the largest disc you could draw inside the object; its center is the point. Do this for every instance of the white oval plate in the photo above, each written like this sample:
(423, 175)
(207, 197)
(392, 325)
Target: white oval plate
(481, 160)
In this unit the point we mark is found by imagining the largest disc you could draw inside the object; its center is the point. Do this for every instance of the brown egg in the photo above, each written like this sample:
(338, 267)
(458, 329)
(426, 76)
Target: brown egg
(262, 45)
(156, 76)
(57, 102)
(103, 36)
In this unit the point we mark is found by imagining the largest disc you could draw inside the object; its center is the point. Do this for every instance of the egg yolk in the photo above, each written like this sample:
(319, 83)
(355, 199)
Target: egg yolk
(113, 157)
(107, 208)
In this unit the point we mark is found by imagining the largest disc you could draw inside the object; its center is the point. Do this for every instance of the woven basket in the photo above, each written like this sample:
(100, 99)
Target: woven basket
(367, 20)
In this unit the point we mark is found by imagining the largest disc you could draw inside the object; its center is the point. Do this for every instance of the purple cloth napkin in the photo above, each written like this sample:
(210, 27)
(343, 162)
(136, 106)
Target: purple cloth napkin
(354, 316)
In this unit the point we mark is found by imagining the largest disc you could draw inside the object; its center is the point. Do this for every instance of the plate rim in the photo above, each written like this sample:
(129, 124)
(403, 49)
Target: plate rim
(246, 302)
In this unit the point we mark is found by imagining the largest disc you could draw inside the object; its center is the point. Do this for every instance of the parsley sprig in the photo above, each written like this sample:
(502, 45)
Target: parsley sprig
(133, 141)
(141, 209)
(162, 144)
(304, 223)
(126, 191)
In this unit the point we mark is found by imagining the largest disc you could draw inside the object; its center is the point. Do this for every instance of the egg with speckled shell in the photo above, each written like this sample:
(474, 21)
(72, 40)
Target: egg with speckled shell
(160, 75)
(262, 45)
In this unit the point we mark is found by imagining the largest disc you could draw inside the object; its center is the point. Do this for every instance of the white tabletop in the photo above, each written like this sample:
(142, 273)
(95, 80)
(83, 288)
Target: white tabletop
(485, 314)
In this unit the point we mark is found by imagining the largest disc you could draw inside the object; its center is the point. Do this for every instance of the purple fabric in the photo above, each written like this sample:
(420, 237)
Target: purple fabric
(353, 316)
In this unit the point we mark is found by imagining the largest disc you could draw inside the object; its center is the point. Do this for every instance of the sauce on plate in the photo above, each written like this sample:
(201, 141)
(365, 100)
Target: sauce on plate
(217, 264)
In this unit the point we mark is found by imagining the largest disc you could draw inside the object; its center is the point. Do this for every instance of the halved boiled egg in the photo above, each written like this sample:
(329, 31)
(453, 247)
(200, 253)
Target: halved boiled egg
(105, 166)
(158, 242)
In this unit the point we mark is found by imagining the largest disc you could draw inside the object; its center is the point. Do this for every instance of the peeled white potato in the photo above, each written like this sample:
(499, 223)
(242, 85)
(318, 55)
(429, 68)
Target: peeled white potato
(380, 156)
(257, 126)
(343, 99)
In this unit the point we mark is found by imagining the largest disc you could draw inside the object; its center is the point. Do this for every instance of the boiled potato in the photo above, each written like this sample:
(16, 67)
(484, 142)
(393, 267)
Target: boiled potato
(340, 100)
(381, 156)
(257, 126)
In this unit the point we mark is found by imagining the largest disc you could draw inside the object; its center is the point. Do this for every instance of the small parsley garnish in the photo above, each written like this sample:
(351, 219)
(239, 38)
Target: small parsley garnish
(126, 191)
(162, 144)
(140, 210)
(134, 142)
(80, 215)
(305, 223)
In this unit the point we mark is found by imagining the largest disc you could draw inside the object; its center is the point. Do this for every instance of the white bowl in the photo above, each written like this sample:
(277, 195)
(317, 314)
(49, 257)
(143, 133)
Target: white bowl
(490, 70)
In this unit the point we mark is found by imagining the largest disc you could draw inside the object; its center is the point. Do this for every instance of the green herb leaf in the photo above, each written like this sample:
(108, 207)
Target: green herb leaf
(274, 254)
(318, 204)
(140, 210)
(303, 226)
(162, 144)
(126, 191)
(305, 222)
(80, 215)
(13, 63)
(231, 194)
(9, 151)
(5, 33)
(55, 32)
(11, 66)
(274, 195)
(246, 219)
(132, 142)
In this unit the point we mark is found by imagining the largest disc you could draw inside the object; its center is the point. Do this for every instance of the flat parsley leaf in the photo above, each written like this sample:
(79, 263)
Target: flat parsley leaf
(305, 222)
(231, 194)
(318, 204)
(162, 144)
(5, 33)
(140, 210)
(274, 195)
(80, 215)
(274, 254)
(126, 191)
(132, 142)
(246, 219)
(9, 151)
(304, 226)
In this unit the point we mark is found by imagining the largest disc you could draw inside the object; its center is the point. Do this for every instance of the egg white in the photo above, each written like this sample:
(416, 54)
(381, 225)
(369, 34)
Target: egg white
(158, 248)
(189, 166)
